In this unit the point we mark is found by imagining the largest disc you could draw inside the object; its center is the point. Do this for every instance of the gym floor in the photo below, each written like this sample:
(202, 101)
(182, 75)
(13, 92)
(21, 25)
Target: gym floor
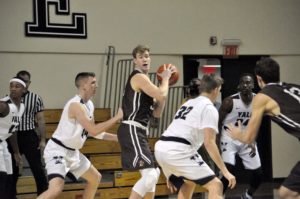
(266, 190)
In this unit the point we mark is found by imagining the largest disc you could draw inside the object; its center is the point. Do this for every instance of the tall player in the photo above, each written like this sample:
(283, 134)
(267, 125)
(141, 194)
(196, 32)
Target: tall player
(280, 101)
(235, 108)
(138, 106)
(194, 124)
(62, 153)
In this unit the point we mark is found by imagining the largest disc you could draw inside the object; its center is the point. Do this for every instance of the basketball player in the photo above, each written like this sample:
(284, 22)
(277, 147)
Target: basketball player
(234, 108)
(195, 123)
(62, 153)
(11, 110)
(193, 89)
(138, 106)
(280, 101)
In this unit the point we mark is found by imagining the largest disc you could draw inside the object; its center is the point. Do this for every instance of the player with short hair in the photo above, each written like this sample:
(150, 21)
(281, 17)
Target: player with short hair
(234, 108)
(62, 153)
(194, 124)
(31, 137)
(138, 106)
(11, 110)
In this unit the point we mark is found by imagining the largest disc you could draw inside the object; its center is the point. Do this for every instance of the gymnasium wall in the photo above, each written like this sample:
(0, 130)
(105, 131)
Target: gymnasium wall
(170, 27)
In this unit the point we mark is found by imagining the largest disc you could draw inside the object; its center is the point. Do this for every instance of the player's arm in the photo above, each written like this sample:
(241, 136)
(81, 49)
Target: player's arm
(15, 147)
(225, 108)
(76, 111)
(4, 109)
(250, 133)
(40, 119)
(141, 82)
(107, 136)
(213, 151)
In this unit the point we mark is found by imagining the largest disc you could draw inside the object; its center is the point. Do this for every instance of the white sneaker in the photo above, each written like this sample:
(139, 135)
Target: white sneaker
(246, 196)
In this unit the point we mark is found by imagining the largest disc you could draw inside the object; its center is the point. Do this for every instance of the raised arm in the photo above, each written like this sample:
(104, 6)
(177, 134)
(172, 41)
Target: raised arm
(76, 111)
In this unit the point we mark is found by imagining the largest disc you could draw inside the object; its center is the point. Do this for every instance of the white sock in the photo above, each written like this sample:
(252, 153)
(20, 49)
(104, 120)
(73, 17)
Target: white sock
(248, 196)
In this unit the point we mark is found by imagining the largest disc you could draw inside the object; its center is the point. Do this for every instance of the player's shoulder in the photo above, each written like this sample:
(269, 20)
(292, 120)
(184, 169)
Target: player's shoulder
(33, 95)
(261, 99)
(235, 96)
(140, 76)
(5, 99)
(207, 104)
(74, 101)
(227, 102)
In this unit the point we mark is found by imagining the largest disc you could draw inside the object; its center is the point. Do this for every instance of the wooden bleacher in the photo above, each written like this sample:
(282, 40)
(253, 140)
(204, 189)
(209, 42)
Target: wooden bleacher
(105, 156)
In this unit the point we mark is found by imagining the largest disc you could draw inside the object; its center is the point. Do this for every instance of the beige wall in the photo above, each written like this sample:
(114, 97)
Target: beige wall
(170, 27)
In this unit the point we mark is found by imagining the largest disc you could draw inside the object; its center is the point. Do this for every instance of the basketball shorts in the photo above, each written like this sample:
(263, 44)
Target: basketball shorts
(5, 159)
(135, 151)
(229, 149)
(59, 161)
(177, 159)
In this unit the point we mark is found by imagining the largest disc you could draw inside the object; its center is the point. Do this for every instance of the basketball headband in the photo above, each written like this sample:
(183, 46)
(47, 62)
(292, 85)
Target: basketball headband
(18, 80)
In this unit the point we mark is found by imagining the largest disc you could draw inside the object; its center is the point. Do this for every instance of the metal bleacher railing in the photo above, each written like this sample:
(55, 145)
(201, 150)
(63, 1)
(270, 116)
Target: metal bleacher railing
(117, 76)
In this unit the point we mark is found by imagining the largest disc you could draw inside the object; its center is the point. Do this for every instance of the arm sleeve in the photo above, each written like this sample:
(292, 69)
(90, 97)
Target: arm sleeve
(39, 104)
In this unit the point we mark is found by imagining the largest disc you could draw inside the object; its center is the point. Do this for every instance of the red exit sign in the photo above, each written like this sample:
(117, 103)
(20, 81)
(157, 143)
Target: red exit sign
(230, 51)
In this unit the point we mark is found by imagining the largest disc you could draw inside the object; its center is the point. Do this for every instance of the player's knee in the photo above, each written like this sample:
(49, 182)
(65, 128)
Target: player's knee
(98, 178)
(94, 179)
(55, 192)
(151, 178)
(55, 189)
(219, 184)
(215, 186)
(284, 192)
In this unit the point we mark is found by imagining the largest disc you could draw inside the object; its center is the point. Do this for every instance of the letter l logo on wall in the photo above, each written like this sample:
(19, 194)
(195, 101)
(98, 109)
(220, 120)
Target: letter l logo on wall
(42, 27)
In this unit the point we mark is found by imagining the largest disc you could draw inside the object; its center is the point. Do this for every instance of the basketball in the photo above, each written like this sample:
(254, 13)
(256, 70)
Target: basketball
(174, 77)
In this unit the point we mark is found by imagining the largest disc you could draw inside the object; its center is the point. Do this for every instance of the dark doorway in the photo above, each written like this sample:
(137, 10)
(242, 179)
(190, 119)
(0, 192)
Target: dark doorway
(231, 69)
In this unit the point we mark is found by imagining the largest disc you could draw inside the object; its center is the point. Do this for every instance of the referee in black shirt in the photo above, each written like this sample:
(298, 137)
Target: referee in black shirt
(31, 136)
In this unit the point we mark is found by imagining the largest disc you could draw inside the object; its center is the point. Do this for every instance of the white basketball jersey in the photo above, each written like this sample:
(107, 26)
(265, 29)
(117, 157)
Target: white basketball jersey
(240, 112)
(10, 123)
(69, 131)
(190, 120)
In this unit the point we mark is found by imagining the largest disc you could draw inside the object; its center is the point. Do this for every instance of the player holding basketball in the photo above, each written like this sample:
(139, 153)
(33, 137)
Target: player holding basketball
(62, 153)
(234, 108)
(138, 106)
(280, 101)
(195, 123)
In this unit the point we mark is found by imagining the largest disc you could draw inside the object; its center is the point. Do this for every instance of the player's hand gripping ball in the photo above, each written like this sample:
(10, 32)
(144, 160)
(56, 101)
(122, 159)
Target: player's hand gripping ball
(174, 77)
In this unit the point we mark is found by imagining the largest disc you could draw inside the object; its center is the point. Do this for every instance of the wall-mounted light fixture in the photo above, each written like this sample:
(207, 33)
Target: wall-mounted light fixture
(231, 47)
(231, 42)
